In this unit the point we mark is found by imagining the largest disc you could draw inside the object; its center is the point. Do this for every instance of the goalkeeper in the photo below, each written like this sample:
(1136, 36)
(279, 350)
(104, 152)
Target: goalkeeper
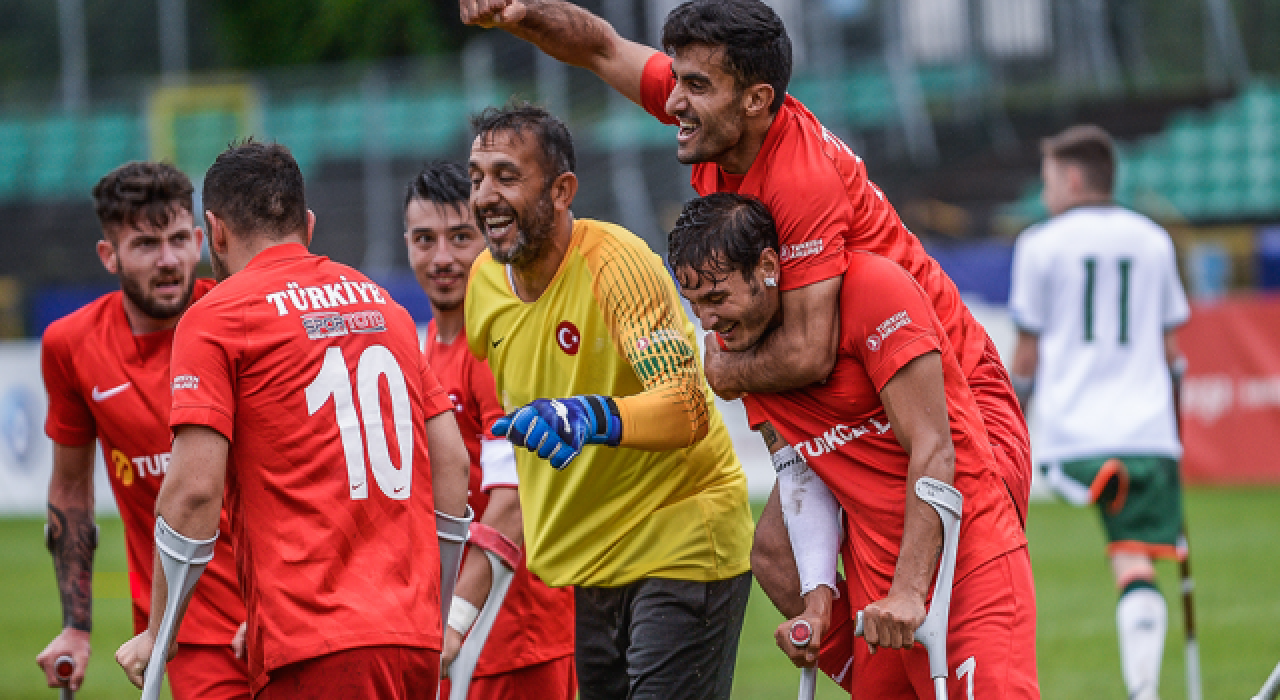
(643, 504)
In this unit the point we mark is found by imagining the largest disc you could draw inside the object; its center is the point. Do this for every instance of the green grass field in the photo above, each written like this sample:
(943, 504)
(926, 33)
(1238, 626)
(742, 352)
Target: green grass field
(1237, 566)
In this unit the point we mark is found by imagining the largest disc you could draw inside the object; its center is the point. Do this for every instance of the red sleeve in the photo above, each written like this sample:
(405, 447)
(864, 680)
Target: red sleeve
(486, 396)
(69, 421)
(886, 318)
(434, 398)
(656, 85)
(756, 415)
(205, 348)
(812, 213)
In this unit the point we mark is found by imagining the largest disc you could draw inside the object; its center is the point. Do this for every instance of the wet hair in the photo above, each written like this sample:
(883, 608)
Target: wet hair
(519, 117)
(1091, 149)
(720, 234)
(755, 42)
(140, 192)
(257, 188)
(441, 182)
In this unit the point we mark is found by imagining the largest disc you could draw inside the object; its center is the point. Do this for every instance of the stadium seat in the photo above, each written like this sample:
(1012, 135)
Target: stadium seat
(111, 138)
(14, 149)
(56, 145)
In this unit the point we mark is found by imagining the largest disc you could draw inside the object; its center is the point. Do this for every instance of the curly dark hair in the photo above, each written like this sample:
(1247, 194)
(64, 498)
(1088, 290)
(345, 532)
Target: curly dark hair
(138, 192)
(720, 234)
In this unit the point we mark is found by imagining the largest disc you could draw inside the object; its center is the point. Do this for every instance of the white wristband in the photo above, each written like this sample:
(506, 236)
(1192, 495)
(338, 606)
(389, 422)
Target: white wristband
(812, 515)
(462, 614)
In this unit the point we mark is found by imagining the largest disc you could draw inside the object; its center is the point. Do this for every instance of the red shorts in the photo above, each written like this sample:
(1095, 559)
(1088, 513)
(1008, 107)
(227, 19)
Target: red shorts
(207, 671)
(1006, 426)
(549, 680)
(991, 642)
(385, 672)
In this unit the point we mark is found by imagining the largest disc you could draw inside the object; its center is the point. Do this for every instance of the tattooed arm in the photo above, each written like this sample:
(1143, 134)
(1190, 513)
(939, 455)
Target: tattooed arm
(71, 537)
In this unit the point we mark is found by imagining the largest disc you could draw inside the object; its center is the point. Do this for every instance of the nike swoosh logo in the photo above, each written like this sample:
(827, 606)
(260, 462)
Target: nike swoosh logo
(101, 396)
(497, 342)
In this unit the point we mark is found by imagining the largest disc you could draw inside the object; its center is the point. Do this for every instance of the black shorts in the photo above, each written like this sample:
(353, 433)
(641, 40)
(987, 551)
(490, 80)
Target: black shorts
(659, 638)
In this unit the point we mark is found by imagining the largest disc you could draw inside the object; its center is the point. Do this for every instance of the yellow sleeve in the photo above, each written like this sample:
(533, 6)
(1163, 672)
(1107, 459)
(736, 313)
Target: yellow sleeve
(638, 301)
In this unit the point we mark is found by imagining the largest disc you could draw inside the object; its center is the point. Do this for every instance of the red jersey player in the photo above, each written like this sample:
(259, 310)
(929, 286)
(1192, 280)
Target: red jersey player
(106, 369)
(529, 652)
(895, 408)
(299, 386)
(724, 83)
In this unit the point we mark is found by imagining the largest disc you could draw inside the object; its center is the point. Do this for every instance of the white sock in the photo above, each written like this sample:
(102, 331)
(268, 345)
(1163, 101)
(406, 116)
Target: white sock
(1141, 621)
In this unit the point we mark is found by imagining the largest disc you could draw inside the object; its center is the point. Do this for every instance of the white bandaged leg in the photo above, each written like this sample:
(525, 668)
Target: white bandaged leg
(451, 531)
(183, 560)
(1142, 619)
(504, 557)
(812, 516)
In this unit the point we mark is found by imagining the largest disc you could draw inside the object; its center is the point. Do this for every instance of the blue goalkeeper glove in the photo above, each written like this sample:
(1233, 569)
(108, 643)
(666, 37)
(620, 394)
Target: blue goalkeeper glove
(556, 429)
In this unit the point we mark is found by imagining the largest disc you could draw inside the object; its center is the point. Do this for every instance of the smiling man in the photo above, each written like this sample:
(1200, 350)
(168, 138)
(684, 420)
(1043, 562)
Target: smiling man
(645, 512)
(529, 650)
(106, 368)
(895, 409)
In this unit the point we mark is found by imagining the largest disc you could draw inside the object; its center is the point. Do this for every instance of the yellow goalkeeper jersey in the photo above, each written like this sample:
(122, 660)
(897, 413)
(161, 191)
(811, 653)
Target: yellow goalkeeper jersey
(671, 500)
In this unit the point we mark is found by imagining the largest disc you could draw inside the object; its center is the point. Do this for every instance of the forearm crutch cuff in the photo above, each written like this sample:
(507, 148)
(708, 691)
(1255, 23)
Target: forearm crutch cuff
(490, 540)
(451, 533)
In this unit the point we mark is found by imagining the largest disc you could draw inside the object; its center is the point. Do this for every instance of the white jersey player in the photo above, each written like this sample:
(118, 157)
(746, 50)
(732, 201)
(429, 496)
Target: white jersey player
(1096, 298)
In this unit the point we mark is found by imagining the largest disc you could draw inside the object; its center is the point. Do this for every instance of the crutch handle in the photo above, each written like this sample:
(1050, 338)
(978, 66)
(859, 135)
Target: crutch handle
(63, 667)
(932, 633)
(801, 634)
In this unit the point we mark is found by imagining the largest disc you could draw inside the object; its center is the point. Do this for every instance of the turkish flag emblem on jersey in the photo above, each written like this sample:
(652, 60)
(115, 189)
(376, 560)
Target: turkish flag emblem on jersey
(568, 337)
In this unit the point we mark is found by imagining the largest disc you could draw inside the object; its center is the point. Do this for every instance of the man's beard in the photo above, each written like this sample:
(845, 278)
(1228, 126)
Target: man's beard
(532, 236)
(220, 270)
(161, 311)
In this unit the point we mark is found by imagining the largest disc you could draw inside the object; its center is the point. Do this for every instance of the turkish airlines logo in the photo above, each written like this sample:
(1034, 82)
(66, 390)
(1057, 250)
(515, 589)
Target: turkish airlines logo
(802, 250)
(456, 400)
(568, 338)
(886, 329)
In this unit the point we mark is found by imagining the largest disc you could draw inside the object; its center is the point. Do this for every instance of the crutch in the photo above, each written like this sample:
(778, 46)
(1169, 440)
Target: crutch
(183, 561)
(63, 667)
(1271, 688)
(504, 558)
(932, 633)
(1195, 690)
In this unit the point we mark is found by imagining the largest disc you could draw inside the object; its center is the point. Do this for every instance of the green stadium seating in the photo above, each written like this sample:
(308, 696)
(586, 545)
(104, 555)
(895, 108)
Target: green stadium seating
(14, 150)
(55, 147)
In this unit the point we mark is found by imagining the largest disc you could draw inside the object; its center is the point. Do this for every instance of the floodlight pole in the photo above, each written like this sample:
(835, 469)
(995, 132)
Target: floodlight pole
(172, 16)
(74, 55)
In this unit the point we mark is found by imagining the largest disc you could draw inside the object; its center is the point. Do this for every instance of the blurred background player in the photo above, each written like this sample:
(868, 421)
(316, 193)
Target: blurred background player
(529, 652)
(724, 83)
(896, 408)
(106, 370)
(655, 534)
(1096, 299)
(336, 551)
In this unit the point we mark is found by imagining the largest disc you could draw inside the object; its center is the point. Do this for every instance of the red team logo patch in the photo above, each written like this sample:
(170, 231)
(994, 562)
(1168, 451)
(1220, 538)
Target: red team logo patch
(568, 338)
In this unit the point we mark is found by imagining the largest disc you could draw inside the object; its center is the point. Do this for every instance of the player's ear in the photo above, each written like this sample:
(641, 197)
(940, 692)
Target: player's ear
(563, 189)
(217, 233)
(311, 226)
(757, 99)
(107, 254)
(769, 267)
